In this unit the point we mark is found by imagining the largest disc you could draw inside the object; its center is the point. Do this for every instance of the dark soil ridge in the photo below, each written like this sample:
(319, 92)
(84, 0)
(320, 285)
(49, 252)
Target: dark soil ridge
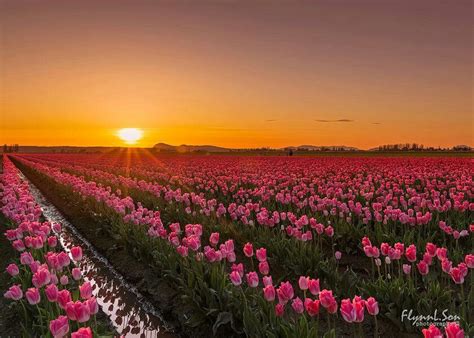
(161, 294)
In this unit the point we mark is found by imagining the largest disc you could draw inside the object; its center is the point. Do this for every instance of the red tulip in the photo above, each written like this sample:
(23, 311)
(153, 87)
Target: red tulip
(313, 286)
(311, 306)
(432, 332)
(457, 275)
(279, 310)
(264, 268)
(423, 268)
(453, 330)
(248, 250)
(410, 253)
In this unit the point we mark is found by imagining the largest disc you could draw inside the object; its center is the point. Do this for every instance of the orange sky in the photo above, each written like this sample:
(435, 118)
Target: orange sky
(236, 74)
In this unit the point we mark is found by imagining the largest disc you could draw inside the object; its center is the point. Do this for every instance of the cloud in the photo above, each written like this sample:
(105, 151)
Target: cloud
(271, 120)
(335, 121)
(376, 123)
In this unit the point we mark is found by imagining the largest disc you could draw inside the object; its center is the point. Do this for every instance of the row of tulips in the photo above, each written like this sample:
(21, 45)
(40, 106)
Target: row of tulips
(190, 241)
(54, 299)
(143, 216)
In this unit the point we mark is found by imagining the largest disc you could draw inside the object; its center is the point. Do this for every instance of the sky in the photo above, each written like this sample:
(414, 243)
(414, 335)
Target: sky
(237, 73)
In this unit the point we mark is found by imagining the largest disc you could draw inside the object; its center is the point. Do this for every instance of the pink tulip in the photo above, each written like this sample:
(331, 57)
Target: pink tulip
(338, 255)
(64, 297)
(261, 254)
(328, 301)
(313, 286)
(59, 327)
(86, 290)
(469, 260)
(235, 278)
(347, 310)
(410, 253)
(52, 241)
(252, 279)
(359, 309)
(214, 239)
(297, 305)
(248, 250)
(279, 310)
(93, 306)
(372, 306)
(431, 249)
(264, 268)
(285, 292)
(267, 280)
(446, 265)
(76, 253)
(78, 311)
(13, 270)
(76, 274)
(83, 332)
(406, 269)
(432, 332)
(14, 293)
(51, 292)
(457, 276)
(423, 268)
(64, 280)
(269, 293)
(453, 330)
(33, 296)
(303, 283)
(41, 277)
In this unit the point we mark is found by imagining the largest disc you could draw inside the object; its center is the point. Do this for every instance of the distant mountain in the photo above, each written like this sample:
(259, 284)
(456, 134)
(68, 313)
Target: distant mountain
(321, 148)
(184, 148)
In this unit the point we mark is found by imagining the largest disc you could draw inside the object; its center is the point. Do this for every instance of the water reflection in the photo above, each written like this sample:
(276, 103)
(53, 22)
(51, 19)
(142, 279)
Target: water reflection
(128, 311)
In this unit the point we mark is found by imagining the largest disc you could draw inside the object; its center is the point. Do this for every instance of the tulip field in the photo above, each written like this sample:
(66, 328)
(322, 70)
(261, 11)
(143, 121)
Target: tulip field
(248, 246)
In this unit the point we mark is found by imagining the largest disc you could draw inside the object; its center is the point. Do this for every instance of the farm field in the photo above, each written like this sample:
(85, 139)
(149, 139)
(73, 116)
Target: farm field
(236, 246)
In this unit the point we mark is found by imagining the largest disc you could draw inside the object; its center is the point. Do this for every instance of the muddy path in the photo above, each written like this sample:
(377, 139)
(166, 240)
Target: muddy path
(129, 312)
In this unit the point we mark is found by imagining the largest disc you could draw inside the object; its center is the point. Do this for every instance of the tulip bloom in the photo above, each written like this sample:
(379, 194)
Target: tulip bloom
(313, 286)
(297, 305)
(214, 239)
(248, 250)
(261, 254)
(78, 311)
(457, 276)
(432, 332)
(279, 310)
(33, 296)
(328, 301)
(285, 292)
(235, 278)
(469, 260)
(423, 268)
(14, 293)
(76, 273)
(264, 268)
(252, 279)
(83, 332)
(59, 327)
(303, 283)
(51, 292)
(372, 306)
(453, 330)
(76, 253)
(13, 270)
(410, 253)
(85, 290)
(267, 280)
(311, 306)
(347, 310)
(269, 293)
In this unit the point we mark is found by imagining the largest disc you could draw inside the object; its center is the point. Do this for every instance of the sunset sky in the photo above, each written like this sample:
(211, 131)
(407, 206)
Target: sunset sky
(237, 74)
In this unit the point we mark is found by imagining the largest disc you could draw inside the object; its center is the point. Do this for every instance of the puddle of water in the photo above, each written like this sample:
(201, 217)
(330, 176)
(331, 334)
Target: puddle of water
(128, 311)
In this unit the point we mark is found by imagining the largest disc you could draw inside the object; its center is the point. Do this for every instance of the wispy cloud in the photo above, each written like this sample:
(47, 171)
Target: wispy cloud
(271, 120)
(335, 121)
(376, 123)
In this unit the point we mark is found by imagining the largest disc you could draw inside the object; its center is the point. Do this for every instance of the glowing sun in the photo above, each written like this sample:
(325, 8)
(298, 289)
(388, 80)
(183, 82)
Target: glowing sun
(130, 135)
